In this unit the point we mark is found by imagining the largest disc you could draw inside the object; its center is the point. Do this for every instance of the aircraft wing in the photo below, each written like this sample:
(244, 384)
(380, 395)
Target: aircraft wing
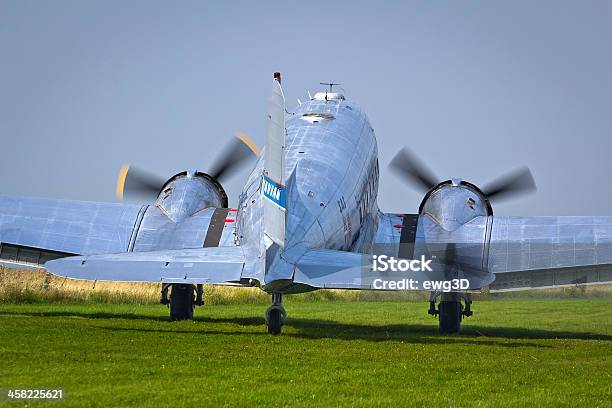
(35, 230)
(521, 252)
(203, 265)
(548, 252)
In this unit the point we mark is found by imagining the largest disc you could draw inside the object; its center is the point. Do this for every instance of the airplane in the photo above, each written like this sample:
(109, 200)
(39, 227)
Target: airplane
(307, 219)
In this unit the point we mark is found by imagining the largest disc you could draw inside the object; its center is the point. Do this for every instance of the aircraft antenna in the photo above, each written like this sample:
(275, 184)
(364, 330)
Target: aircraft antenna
(330, 84)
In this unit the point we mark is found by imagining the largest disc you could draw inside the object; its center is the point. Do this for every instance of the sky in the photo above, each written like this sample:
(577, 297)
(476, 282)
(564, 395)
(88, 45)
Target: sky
(475, 88)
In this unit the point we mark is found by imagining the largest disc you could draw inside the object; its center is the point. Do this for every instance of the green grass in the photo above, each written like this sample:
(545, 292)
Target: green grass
(38, 286)
(511, 353)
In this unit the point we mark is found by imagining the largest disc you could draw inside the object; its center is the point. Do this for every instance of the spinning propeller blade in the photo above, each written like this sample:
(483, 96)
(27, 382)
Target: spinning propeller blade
(408, 166)
(139, 184)
(234, 156)
(518, 182)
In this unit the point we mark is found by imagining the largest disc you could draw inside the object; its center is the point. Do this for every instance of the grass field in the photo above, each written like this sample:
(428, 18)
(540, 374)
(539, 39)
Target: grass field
(511, 353)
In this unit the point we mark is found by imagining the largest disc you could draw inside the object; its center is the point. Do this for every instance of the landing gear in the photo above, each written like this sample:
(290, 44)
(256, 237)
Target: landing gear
(182, 300)
(276, 314)
(450, 311)
(164, 294)
(449, 316)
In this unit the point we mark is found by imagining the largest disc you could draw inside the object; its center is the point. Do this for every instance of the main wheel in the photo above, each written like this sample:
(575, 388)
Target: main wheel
(449, 317)
(182, 302)
(275, 320)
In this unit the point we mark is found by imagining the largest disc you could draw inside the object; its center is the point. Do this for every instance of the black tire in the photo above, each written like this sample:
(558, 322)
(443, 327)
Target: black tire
(449, 317)
(275, 321)
(182, 302)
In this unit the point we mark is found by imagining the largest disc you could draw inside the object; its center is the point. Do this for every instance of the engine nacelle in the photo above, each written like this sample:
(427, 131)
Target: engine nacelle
(453, 203)
(189, 192)
(454, 221)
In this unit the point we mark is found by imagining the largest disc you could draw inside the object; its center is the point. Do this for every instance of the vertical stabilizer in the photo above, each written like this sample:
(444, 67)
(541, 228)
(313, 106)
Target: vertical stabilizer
(273, 183)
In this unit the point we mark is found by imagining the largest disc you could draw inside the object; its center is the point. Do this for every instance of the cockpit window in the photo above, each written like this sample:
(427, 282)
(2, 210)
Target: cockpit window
(314, 117)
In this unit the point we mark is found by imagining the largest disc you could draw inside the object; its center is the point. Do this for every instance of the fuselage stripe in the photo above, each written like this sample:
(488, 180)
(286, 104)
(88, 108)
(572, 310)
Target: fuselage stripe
(215, 228)
(408, 236)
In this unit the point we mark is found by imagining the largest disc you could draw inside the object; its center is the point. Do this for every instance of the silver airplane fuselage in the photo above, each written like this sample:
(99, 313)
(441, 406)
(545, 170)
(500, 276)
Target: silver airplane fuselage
(331, 164)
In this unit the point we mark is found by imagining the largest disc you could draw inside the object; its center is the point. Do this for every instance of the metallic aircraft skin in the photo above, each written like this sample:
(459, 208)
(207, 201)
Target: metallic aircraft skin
(332, 168)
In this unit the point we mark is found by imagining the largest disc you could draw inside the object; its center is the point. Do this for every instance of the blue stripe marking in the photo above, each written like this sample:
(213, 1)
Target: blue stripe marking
(274, 191)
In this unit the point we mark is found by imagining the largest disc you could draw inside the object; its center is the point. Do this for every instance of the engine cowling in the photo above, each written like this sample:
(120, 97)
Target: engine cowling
(454, 222)
(188, 192)
(453, 203)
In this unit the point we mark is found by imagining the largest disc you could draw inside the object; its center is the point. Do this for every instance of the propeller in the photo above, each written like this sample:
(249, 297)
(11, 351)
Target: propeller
(517, 182)
(240, 149)
(138, 184)
(408, 166)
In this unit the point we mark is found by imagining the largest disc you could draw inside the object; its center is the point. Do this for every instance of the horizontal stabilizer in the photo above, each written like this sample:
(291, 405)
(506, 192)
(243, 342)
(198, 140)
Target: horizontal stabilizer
(326, 268)
(202, 265)
(330, 269)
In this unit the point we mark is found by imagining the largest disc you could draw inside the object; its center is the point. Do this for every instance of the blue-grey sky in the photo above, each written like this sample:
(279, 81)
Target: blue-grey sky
(476, 88)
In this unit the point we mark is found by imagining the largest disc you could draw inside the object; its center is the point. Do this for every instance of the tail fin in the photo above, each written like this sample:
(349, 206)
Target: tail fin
(273, 184)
